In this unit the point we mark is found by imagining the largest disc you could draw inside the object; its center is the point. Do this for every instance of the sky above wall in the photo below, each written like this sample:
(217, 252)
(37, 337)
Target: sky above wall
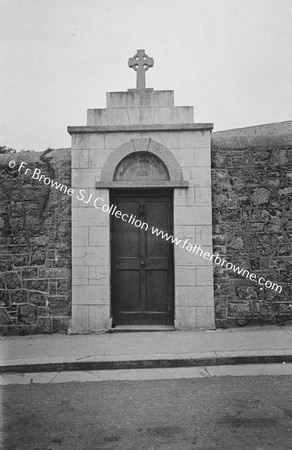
(230, 59)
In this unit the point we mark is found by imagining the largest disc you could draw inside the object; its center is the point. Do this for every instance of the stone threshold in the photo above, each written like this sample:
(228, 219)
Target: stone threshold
(129, 328)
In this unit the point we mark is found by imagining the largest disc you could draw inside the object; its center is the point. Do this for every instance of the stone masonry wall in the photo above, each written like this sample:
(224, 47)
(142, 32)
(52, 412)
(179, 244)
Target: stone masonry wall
(35, 245)
(252, 228)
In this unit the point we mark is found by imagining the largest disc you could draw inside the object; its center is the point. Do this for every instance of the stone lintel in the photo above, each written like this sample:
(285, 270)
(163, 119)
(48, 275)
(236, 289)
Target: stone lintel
(146, 127)
(138, 184)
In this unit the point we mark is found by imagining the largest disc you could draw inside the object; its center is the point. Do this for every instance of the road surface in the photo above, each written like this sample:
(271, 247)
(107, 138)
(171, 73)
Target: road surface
(249, 412)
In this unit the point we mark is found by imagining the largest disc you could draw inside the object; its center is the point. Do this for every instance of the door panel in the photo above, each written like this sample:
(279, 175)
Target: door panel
(142, 263)
(157, 281)
(127, 237)
(157, 213)
(128, 281)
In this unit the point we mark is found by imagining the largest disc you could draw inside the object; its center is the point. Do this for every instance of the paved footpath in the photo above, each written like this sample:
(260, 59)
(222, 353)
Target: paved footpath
(144, 350)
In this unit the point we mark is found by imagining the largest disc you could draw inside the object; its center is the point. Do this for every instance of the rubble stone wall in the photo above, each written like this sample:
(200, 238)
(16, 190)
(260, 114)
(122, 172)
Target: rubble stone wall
(252, 228)
(35, 244)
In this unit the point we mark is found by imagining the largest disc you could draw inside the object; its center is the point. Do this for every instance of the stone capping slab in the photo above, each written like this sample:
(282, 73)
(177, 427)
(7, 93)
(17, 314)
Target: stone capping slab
(139, 90)
(146, 127)
(139, 184)
(140, 97)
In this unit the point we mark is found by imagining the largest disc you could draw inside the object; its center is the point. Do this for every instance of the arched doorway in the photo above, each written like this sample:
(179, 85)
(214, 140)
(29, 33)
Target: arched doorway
(142, 262)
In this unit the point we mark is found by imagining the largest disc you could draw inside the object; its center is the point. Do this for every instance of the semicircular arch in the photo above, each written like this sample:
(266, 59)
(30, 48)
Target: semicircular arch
(141, 145)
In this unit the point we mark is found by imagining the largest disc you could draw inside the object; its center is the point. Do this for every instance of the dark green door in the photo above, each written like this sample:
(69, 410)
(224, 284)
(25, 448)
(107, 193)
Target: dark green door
(142, 263)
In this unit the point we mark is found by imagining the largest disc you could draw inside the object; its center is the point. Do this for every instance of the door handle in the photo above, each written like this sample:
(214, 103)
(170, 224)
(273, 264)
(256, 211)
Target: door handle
(143, 263)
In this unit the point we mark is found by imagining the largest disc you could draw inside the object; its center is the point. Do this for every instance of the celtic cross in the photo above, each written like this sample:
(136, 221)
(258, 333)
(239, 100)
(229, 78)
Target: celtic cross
(140, 63)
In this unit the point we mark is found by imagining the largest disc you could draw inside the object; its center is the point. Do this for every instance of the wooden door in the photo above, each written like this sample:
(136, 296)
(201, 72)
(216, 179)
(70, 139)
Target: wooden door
(142, 263)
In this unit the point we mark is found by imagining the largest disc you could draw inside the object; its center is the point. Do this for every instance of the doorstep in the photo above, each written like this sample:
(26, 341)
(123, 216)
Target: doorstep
(147, 328)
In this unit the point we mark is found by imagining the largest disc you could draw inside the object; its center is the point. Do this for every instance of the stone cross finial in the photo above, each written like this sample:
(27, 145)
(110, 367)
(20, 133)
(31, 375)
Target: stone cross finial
(140, 63)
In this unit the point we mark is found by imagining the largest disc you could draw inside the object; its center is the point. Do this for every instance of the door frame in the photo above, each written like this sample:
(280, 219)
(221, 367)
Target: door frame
(150, 192)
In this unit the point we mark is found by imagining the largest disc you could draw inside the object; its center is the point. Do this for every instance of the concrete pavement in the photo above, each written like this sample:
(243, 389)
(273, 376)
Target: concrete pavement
(107, 351)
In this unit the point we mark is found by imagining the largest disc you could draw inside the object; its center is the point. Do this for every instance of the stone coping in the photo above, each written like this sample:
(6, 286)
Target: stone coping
(146, 127)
